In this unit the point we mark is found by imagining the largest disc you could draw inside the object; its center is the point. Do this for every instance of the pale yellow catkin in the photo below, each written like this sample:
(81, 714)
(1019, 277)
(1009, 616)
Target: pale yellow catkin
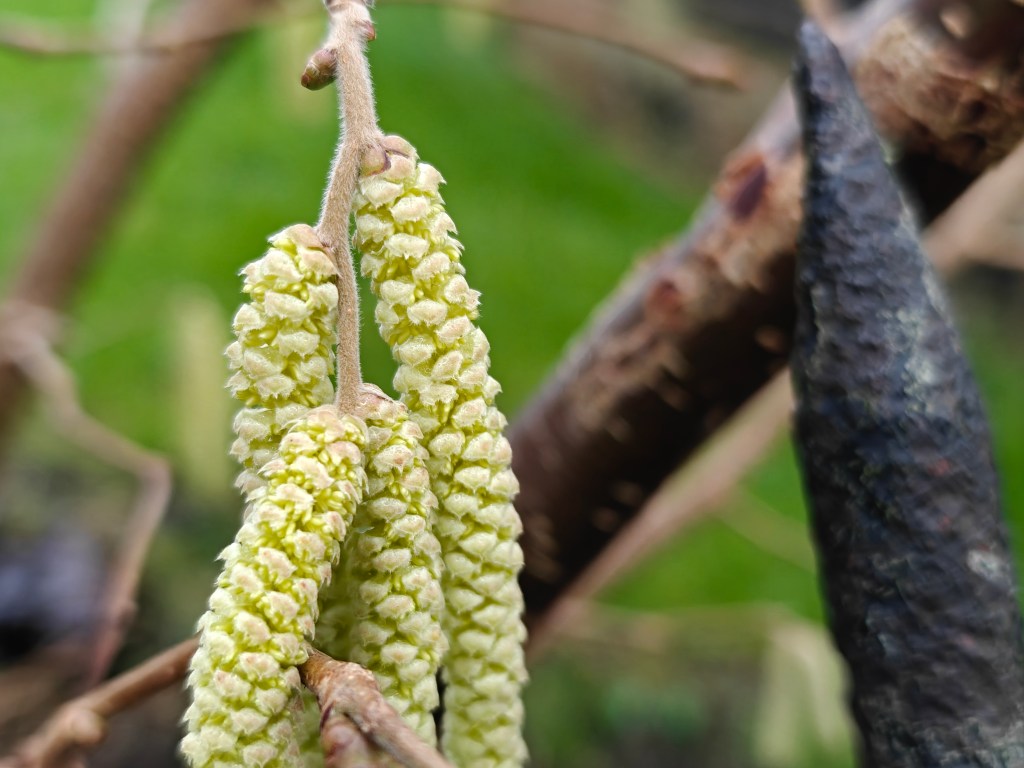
(426, 312)
(283, 355)
(244, 679)
(384, 608)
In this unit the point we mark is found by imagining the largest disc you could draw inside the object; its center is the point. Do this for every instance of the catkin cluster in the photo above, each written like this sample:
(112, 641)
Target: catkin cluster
(426, 312)
(387, 536)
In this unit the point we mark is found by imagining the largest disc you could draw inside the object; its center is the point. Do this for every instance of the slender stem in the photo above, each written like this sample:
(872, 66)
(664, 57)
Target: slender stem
(81, 723)
(350, 29)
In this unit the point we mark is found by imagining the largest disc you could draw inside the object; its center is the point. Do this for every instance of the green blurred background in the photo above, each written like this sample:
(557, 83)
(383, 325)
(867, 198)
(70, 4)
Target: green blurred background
(565, 162)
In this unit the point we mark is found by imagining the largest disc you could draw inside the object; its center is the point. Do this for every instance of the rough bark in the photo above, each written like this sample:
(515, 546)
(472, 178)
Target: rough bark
(897, 460)
(702, 326)
(140, 105)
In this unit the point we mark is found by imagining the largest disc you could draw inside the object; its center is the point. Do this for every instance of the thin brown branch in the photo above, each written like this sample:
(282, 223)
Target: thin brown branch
(139, 104)
(347, 693)
(699, 61)
(697, 490)
(35, 38)
(699, 329)
(81, 723)
(24, 341)
(976, 227)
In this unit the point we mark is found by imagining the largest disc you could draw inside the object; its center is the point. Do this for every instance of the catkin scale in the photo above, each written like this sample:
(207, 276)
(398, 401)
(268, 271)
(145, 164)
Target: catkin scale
(426, 313)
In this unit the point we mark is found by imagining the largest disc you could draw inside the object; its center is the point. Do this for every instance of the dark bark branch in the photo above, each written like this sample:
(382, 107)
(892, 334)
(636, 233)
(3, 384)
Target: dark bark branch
(129, 123)
(897, 460)
(704, 325)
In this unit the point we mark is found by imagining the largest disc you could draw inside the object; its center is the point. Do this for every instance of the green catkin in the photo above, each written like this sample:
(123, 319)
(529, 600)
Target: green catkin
(243, 677)
(384, 609)
(283, 356)
(426, 313)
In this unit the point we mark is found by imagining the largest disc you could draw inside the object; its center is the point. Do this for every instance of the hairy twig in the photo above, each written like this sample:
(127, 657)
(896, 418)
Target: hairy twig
(351, 28)
(347, 693)
(699, 61)
(81, 723)
(24, 341)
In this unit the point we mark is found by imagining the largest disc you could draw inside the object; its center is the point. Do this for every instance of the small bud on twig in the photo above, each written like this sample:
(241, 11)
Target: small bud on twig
(321, 69)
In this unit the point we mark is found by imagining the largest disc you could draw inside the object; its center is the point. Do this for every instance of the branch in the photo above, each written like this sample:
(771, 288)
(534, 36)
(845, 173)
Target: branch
(348, 695)
(81, 723)
(702, 327)
(977, 225)
(139, 104)
(699, 61)
(24, 342)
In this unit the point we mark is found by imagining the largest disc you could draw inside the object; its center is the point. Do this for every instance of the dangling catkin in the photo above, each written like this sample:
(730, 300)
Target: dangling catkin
(384, 608)
(283, 355)
(426, 313)
(243, 677)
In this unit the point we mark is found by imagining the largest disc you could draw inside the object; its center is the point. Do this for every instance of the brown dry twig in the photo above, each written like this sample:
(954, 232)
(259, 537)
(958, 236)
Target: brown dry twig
(979, 226)
(348, 694)
(138, 106)
(81, 723)
(25, 340)
(698, 61)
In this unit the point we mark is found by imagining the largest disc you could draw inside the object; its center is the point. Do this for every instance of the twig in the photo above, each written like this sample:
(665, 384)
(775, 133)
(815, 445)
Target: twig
(22, 342)
(137, 108)
(697, 490)
(699, 61)
(976, 226)
(35, 38)
(81, 723)
(348, 692)
(351, 28)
